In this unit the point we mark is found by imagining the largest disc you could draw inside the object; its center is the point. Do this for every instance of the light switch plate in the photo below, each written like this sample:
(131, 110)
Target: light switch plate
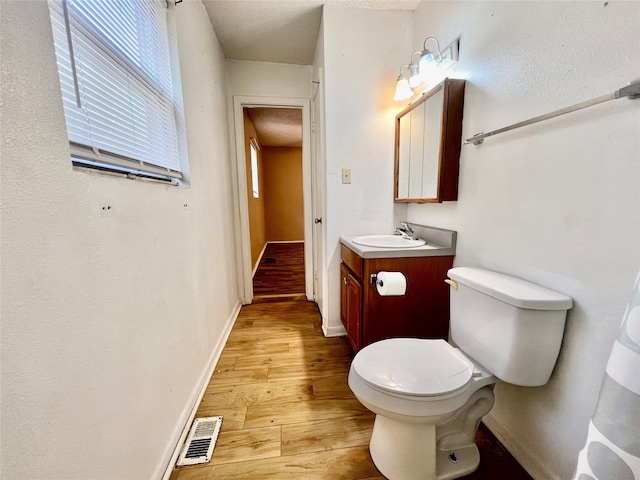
(346, 175)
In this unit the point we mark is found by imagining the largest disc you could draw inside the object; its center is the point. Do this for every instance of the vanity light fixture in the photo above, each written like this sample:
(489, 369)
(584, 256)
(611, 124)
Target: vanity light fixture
(428, 71)
(403, 90)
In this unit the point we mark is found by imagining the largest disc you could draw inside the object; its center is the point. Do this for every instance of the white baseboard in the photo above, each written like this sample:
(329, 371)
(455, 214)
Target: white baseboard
(333, 330)
(255, 267)
(182, 429)
(533, 465)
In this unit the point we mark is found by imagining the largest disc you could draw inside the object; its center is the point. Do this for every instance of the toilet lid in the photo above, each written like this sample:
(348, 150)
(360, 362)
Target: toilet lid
(412, 366)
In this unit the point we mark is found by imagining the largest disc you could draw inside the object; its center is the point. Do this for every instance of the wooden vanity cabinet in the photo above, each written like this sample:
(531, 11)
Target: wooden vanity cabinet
(422, 312)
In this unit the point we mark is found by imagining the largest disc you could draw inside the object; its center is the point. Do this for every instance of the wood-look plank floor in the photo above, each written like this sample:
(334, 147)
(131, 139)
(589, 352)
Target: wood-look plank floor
(282, 389)
(280, 271)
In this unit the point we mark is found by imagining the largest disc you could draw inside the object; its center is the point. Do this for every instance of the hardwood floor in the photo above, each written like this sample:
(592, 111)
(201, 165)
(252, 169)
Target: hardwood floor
(280, 271)
(288, 411)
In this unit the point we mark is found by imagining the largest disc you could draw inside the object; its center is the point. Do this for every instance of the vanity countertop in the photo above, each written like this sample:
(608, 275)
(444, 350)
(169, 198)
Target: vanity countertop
(440, 243)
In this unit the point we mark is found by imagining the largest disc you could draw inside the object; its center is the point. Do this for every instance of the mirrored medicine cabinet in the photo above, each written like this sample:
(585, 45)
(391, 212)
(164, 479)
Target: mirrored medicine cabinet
(427, 146)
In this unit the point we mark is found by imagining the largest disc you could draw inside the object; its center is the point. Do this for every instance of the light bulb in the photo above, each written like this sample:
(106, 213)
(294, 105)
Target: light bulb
(403, 90)
(414, 78)
(427, 65)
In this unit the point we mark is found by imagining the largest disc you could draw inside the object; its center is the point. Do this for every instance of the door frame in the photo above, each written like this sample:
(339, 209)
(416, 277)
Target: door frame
(246, 275)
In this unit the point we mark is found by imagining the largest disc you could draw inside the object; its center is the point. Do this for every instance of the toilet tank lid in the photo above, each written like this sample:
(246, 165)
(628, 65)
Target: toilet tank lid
(511, 290)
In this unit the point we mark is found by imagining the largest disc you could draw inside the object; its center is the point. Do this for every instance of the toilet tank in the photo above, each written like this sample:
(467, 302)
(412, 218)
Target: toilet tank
(510, 326)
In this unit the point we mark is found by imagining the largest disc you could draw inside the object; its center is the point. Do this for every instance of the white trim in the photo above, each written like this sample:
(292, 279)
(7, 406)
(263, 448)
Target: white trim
(173, 449)
(264, 298)
(319, 197)
(246, 267)
(246, 285)
(255, 267)
(333, 330)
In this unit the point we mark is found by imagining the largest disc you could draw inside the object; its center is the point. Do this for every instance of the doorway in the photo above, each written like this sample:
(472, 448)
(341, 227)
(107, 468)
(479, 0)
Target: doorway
(273, 152)
(274, 197)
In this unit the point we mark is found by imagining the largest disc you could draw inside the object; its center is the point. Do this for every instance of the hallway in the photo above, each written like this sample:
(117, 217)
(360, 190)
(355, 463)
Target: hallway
(280, 272)
(282, 389)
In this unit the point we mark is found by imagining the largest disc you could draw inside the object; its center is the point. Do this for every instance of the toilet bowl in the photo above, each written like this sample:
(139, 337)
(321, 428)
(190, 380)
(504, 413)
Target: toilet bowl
(429, 396)
(425, 396)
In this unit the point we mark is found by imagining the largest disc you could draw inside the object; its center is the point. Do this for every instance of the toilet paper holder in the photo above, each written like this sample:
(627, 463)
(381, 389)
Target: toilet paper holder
(389, 284)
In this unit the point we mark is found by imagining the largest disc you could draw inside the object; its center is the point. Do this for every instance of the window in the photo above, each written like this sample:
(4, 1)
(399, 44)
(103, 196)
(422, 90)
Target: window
(115, 66)
(254, 147)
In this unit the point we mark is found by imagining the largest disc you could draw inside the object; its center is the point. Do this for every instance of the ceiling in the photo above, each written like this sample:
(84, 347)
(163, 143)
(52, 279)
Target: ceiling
(277, 127)
(278, 31)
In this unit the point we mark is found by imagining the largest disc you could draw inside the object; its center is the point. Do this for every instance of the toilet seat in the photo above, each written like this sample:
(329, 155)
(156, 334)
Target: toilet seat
(413, 367)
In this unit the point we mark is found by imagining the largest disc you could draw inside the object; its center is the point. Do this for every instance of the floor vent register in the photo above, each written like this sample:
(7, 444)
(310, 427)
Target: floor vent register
(200, 441)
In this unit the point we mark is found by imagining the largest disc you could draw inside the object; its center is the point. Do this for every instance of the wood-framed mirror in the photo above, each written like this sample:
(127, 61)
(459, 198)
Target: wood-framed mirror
(427, 145)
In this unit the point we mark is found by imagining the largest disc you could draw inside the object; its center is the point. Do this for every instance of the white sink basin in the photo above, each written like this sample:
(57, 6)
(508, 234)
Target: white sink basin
(387, 241)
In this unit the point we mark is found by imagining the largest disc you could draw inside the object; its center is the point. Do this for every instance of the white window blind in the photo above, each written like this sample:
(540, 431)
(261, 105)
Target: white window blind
(114, 61)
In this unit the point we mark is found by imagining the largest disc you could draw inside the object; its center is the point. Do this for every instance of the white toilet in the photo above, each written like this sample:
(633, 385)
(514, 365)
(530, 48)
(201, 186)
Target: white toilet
(429, 397)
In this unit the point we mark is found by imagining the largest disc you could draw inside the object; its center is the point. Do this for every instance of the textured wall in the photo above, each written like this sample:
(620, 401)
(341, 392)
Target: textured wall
(268, 79)
(284, 214)
(109, 317)
(555, 203)
(363, 51)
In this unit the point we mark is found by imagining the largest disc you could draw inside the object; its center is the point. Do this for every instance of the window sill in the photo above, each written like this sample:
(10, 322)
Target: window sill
(130, 175)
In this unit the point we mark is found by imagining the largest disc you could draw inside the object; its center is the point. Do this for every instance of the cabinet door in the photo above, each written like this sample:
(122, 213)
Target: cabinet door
(351, 307)
(427, 147)
(423, 311)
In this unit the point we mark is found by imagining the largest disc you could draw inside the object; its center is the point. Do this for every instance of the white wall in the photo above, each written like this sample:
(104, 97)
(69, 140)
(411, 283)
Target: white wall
(110, 318)
(363, 51)
(556, 203)
(269, 81)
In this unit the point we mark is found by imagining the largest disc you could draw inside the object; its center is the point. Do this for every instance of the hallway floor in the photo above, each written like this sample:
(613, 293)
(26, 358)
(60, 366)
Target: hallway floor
(280, 271)
(288, 411)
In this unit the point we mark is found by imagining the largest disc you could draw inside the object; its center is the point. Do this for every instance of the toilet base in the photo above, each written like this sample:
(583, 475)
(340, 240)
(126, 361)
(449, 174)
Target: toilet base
(443, 450)
(403, 450)
(407, 451)
(457, 463)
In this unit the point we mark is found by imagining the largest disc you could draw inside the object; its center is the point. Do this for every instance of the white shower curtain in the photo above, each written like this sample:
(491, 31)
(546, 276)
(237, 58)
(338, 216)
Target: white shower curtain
(612, 450)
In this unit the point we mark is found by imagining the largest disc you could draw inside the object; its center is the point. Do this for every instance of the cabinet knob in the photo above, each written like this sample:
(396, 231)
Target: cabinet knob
(344, 279)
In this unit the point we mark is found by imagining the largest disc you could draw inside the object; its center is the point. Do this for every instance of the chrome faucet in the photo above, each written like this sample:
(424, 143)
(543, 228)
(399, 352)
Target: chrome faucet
(406, 231)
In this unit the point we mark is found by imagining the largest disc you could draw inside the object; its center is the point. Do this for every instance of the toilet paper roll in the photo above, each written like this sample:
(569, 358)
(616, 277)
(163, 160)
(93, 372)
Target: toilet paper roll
(391, 283)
